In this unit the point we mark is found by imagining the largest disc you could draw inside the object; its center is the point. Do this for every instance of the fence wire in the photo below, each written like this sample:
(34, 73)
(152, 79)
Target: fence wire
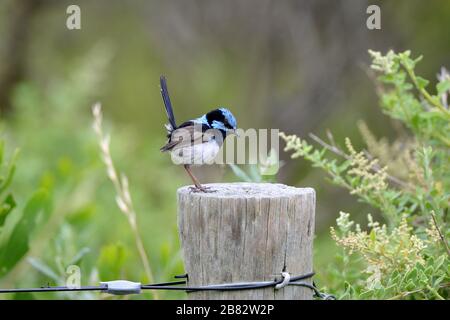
(124, 287)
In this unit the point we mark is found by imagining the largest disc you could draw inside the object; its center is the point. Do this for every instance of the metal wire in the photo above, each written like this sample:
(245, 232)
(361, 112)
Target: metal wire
(178, 285)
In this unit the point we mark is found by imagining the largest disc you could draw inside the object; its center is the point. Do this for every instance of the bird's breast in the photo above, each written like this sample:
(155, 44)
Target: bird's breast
(196, 154)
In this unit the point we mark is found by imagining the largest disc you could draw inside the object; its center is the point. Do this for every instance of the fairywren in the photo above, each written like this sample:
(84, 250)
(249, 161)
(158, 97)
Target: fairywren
(197, 141)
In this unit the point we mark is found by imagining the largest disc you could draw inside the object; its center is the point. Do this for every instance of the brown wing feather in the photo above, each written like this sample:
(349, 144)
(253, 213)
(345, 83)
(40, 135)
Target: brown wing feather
(185, 136)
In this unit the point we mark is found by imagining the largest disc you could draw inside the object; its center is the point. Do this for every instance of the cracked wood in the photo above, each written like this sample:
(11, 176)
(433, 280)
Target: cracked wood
(247, 232)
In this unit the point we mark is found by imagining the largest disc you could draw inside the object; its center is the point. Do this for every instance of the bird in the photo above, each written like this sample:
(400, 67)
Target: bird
(196, 141)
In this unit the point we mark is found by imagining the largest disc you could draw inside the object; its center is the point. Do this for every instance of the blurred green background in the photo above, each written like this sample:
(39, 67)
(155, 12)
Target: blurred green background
(299, 66)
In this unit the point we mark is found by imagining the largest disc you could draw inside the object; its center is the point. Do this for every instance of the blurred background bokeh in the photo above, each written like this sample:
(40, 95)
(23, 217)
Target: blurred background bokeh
(298, 66)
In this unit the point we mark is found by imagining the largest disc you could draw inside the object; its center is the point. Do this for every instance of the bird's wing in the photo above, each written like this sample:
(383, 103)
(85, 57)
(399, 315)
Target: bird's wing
(167, 103)
(186, 135)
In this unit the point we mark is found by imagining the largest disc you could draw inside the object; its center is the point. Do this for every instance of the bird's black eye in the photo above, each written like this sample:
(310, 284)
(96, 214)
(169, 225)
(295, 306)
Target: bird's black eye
(227, 125)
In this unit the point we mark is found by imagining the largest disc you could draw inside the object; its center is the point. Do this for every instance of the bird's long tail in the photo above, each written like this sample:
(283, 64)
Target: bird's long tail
(167, 104)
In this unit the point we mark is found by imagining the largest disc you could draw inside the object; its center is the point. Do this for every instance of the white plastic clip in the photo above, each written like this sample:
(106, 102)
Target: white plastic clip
(286, 278)
(122, 287)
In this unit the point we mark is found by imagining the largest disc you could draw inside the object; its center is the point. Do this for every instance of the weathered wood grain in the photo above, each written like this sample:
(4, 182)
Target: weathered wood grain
(247, 232)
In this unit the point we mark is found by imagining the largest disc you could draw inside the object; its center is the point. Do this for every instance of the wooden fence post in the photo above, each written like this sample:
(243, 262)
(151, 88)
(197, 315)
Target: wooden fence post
(247, 232)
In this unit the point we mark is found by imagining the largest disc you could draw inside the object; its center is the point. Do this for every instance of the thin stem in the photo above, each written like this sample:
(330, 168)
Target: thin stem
(144, 258)
(332, 148)
(425, 93)
(441, 236)
(123, 197)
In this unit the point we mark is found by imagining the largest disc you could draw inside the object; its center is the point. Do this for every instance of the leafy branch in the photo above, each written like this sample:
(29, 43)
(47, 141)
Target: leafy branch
(336, 150)
(408, 181)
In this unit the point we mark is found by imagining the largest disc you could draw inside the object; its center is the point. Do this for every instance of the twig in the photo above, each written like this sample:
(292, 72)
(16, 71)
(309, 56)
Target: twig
(379, 89)
(341, 153)
(332, 148)
(444, 241)
(390, 177)
(331, 138)
(123, 197)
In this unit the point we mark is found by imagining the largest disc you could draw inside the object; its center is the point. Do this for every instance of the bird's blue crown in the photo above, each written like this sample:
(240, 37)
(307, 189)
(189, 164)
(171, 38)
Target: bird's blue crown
(221, 119)
(230, 119)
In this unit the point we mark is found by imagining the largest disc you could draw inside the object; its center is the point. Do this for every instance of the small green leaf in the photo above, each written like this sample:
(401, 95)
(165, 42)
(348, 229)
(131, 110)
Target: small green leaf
(443, 86)
(79, 255)
(373, 235)
(6, 207)
(421, 82)
(439, 262)
(111, 260)
(418, 59)
(10, 172)
(412, 275)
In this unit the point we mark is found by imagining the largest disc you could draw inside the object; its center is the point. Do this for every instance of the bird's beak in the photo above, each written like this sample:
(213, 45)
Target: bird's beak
(235, 132)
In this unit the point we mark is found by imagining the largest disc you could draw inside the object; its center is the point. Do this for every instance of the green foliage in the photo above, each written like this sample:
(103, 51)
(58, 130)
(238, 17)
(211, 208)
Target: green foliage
(399, 263)
(410, 186)
(15, 244)
(408, 100)
(111, 261)
(16, 227)
(72, 218)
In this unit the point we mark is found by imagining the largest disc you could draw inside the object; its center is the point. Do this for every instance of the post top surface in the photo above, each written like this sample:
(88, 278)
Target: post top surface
(248, 190)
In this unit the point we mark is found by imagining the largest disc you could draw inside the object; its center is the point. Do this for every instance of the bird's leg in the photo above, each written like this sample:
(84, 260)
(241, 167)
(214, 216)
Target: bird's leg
(194, 179)
(198, 187)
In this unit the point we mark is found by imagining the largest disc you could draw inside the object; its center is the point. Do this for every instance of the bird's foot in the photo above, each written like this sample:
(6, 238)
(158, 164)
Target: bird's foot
(202, 189)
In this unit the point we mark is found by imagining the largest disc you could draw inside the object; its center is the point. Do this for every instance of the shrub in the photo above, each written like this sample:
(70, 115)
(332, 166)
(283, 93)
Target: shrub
(407, 180)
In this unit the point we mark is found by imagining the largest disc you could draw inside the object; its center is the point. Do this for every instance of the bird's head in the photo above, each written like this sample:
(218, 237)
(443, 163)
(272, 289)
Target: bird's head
(222, 119)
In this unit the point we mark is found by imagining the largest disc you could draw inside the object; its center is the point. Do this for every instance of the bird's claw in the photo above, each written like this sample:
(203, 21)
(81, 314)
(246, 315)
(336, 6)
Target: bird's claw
(202, 189)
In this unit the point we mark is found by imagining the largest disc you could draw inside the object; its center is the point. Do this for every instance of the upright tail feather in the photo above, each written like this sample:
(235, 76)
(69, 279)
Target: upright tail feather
(167, 103)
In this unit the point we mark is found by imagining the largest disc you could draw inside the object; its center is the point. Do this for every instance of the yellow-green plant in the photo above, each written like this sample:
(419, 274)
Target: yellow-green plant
(408, 181)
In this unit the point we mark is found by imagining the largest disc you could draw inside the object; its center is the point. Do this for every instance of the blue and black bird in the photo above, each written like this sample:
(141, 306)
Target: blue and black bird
(197, 141)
